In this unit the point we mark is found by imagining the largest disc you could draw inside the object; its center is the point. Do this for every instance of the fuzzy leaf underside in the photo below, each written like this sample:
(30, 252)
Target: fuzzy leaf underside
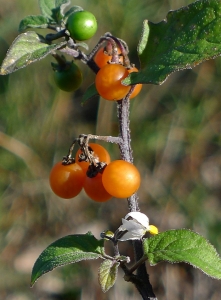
(186, 38)
(33, 22)
(183, 245)
(27, 48)
(67, 250)
(51, 8)
(107, 274)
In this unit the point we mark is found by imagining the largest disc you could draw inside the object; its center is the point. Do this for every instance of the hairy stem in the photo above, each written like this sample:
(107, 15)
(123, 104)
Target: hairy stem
(123, 111)
(143, 285)
(141, 279)
(108, 139)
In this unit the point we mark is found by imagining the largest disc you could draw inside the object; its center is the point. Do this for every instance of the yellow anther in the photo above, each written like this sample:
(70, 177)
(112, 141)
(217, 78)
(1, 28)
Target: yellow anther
(153, 229)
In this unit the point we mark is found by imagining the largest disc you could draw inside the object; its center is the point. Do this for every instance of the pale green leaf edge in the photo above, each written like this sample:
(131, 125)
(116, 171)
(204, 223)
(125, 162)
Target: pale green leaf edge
(144, 37)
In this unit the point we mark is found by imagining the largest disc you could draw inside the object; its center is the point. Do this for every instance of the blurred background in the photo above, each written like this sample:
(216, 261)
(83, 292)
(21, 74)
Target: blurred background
(176, 144)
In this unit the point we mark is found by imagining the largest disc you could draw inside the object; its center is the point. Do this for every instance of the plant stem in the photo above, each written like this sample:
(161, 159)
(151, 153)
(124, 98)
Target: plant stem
(108, 139)
(54, 36)
(123, 111)
(143, 284)
(141, 279)
(123, 116)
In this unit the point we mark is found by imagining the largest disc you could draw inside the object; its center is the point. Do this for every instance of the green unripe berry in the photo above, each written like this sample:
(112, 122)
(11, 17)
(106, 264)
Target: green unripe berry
(82, 25)
(68, 79)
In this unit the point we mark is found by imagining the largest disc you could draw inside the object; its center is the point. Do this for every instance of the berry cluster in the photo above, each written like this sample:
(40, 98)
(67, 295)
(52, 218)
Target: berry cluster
(100, 178)
(109, 77)
(113, 63)
(92, 169)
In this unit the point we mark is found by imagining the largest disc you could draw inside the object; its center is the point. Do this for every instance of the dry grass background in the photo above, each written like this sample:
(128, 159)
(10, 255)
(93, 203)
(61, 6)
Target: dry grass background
(176, 142)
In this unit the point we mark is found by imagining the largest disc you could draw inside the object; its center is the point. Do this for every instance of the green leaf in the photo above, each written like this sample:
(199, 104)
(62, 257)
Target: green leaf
(186, 38)
(183, 245)
(63, 7)
(26, 49)
(51, 8)
(90, 93)
(67, 250)
(33, 22)
(108, 274)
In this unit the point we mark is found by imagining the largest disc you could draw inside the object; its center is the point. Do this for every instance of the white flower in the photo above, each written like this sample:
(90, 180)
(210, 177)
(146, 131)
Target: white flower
(134, 227)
